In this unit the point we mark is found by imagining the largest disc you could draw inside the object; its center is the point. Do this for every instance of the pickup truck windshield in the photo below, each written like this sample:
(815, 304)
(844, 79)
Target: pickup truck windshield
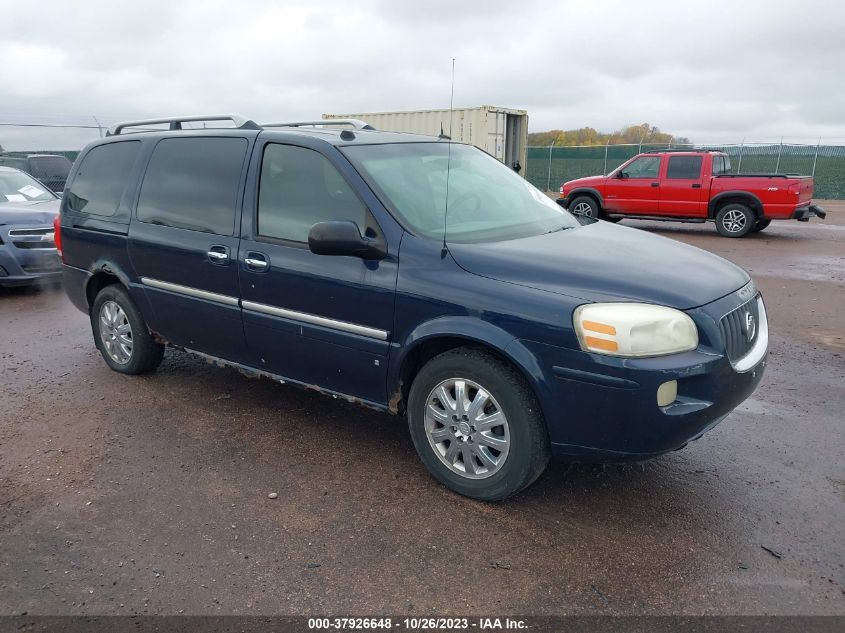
(487, 200)
(16, 186)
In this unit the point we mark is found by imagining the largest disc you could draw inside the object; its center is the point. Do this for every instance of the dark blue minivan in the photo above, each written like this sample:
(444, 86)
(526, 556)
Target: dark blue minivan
(413, 275)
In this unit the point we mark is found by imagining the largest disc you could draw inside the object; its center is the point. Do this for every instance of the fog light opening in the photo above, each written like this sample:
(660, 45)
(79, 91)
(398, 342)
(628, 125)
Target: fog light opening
(667, 393)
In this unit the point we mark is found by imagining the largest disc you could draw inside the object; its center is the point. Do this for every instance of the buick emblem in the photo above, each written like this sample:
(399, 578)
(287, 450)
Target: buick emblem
(750, 326)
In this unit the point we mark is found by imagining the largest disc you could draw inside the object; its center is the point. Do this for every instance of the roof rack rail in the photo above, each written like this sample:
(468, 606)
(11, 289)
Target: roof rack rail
(176, 122)
(681, 149)
(355, 123)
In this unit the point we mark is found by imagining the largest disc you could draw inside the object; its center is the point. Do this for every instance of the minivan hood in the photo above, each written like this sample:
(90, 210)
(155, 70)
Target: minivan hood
(605, 262)
(29, 212)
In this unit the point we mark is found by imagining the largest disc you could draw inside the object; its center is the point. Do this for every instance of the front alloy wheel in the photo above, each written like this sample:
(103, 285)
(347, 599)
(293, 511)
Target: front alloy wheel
(584, 206)
(467, 428)
(476, 424)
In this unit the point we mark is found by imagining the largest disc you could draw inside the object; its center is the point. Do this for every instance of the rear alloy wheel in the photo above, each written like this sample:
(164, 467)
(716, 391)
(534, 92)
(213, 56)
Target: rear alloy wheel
(735, 220)
(760, 225)
(476, 424)
(121, 334)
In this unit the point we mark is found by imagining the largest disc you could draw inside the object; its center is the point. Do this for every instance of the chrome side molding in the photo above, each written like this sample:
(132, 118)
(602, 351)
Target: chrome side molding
(343, 326)
(190, 292)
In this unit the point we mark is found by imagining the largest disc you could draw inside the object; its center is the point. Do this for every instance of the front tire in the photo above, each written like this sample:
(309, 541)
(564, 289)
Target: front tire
(477, 425)
(585, 206)
(735, 220)
(121, 334)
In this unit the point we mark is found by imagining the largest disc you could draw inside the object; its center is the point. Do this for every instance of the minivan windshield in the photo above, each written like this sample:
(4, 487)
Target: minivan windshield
(487, 200)
(16, 186)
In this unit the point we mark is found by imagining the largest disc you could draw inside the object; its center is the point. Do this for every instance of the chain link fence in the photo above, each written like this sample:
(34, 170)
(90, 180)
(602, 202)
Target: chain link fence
(549, 167)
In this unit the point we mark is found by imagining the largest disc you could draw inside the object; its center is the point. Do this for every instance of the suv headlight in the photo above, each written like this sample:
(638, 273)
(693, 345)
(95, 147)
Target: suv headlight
(634, 329)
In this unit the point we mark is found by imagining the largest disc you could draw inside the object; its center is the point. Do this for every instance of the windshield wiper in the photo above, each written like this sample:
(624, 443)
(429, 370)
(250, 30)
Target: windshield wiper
(563, 228)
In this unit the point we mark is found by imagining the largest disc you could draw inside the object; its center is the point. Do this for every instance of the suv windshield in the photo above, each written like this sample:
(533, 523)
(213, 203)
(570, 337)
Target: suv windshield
(16, 186)
(487, 200)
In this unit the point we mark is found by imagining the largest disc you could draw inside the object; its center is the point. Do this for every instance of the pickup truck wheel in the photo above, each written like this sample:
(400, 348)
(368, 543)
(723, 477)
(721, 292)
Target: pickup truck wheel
(121, 334)
(585, 206)
(735, 220)
(760, 225)
(476, 425)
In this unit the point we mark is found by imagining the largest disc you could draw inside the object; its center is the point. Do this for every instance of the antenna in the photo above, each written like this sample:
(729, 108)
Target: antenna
(445, 250)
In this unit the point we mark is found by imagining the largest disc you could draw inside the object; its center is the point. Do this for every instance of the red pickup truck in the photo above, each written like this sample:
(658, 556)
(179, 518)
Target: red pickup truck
(692, 186)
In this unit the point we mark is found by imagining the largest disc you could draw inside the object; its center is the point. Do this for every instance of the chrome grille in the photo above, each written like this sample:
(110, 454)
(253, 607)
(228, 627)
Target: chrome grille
(740, 329)
(46, 230)
(36, 238)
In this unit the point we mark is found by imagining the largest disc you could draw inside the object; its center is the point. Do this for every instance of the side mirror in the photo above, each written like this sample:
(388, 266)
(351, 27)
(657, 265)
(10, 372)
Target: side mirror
(342, 237)
(621, 175)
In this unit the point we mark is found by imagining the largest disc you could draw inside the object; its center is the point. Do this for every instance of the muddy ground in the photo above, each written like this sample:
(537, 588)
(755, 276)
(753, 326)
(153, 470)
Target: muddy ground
(149, 494)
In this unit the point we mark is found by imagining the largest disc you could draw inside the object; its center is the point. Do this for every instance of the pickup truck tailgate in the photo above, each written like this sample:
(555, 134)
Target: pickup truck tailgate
(805, 190)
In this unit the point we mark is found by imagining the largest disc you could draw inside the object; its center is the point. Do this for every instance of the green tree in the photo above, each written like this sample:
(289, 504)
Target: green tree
(643, 133)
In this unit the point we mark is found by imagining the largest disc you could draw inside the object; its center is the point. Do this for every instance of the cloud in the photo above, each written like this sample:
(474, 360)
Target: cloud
(718, 71)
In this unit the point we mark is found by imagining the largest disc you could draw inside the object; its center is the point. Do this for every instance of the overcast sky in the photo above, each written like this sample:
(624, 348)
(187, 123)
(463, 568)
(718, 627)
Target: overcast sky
(712, 71)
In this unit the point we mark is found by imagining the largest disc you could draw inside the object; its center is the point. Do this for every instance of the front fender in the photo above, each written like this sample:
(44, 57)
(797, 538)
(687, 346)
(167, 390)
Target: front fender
(474, 331)
(585, 191)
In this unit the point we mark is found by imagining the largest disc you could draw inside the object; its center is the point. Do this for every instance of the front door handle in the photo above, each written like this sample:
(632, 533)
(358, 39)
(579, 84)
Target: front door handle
(696, 186)
(256, 261)
(218, 254)
(655, 184)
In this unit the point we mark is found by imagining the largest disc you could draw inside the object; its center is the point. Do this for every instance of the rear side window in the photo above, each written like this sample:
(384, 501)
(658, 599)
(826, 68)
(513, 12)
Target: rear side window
(684, 168)
(192, 183)
(300, 187)
(101, 178)
(721, 165)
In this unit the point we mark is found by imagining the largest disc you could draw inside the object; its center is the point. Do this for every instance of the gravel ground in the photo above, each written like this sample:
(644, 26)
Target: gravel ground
(123, 495)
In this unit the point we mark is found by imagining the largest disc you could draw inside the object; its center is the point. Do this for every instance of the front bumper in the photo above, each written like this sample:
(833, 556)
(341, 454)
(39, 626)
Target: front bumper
(601, 408)
(803, 214)
(25, 259)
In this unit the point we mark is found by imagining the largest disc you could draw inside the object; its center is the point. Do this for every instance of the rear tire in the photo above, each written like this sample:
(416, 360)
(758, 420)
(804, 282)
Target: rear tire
(735, 220)
(121, 334)
(760, 225)
(477, 425)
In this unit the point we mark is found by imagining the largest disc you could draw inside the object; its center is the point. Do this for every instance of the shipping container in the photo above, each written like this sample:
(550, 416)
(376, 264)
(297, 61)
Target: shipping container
(501, 132)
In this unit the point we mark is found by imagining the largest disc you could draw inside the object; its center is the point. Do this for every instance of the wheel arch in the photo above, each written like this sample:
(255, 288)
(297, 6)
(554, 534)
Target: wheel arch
(441, 335)
(103, 273)
(735, 197)
(588, 191)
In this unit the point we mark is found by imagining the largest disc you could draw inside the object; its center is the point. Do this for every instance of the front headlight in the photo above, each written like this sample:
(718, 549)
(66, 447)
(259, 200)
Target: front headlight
(634, 329)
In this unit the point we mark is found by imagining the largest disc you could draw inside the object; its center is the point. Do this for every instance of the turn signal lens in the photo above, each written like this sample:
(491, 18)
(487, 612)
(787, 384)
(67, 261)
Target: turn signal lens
(634, 329)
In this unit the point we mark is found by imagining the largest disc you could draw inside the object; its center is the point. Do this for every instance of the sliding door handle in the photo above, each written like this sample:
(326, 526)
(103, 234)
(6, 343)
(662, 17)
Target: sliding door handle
(256, 263)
